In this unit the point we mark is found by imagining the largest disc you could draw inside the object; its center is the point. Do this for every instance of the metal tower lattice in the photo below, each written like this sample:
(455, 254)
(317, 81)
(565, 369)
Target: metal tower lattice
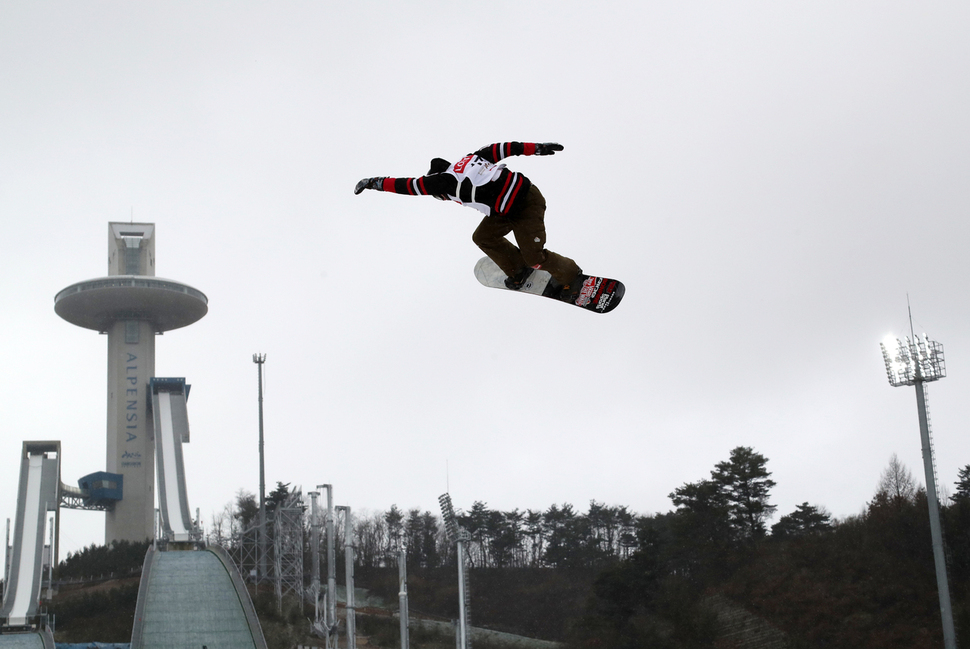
(288, 549)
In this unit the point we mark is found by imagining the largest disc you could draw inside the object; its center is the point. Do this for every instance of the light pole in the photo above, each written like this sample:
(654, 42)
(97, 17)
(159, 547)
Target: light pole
(330, 617)
(349, 571)
(259, 359)
(459, 536)
(315, 556)
(402, 595)
(914, 362)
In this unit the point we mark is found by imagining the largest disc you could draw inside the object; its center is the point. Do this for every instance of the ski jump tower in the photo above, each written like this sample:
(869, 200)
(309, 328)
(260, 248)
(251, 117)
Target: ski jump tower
(131, 306)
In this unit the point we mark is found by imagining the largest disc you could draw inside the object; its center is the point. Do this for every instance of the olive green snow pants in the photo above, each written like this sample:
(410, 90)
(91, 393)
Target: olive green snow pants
(529, 229)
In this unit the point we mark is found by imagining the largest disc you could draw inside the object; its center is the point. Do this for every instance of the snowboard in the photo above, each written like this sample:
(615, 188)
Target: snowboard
(598, 294)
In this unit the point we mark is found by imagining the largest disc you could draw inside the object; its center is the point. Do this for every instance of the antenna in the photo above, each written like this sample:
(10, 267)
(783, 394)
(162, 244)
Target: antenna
(909, 308)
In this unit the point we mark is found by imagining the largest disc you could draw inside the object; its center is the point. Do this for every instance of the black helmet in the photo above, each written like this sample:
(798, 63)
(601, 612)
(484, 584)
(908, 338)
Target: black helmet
(438, 165)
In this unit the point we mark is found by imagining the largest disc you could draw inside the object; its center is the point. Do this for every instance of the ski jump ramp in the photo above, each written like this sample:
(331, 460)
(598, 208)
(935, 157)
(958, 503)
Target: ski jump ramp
(38, 640)
(188, 596)
(194, 599)
(26, 559)
(171, 431)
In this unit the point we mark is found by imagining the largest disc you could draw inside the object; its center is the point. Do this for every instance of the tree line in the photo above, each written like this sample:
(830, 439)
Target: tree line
(864, 580)
(559, 536)
(733, 504)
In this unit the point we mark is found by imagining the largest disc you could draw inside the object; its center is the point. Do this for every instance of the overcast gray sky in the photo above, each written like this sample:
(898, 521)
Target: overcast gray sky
(770, 180)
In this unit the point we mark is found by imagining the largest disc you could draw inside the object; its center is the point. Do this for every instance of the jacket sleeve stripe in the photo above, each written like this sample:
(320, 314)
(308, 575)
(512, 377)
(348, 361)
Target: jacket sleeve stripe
(500, 150)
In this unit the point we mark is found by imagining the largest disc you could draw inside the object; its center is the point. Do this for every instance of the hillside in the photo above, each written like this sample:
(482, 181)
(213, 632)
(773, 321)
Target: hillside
(608, 578)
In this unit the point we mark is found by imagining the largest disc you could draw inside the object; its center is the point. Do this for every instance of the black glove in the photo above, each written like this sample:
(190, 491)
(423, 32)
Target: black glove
(369, 183)
(548, 148)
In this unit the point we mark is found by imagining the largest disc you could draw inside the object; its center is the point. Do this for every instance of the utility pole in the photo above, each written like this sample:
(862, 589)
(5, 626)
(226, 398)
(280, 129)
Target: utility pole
(259, 359)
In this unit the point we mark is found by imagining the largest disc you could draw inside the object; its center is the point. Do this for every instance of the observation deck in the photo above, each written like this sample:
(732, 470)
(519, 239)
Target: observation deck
(97, 303)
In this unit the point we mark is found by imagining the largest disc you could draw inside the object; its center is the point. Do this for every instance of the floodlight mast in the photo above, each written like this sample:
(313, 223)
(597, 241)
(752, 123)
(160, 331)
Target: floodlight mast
(349, 570)
(402, 594)
(261, 575)
(315, 556)
(459, 536)
(331, 617)
(915, 362)
(325, 614)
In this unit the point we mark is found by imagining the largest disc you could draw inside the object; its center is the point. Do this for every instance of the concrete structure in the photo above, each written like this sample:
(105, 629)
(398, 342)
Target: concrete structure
(131, 305)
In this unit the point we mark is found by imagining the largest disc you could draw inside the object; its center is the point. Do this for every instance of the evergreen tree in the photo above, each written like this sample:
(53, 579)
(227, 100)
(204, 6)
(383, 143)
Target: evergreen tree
(567, 534)
(806, 519)
(536, 534)
(702, 526)
(962, 484)
(746, 485)
(394, 534)
(414, 538)
(430, 531)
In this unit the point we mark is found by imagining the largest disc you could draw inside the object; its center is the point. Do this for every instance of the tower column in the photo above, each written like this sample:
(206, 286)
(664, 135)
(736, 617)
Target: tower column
(130, 429)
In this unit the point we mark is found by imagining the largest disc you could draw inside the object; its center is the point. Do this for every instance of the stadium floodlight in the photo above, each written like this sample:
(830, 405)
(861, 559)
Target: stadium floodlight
(915, 361)
(459, 536)
(448, 516)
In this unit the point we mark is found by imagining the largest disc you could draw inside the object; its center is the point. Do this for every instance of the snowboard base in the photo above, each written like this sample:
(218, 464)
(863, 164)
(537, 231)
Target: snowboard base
(598, 294)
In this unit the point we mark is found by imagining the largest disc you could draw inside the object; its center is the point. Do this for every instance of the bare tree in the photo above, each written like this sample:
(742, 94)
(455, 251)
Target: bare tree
(896, 484)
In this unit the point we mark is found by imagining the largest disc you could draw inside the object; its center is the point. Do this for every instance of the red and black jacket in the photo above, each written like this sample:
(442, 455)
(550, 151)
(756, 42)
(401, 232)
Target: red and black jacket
(476, 181)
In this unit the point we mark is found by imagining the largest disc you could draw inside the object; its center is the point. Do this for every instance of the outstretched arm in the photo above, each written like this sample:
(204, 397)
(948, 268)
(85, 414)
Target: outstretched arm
(421, 186)
(500, 150)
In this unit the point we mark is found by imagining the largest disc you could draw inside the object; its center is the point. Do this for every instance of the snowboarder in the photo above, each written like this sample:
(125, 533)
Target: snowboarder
(510, 203)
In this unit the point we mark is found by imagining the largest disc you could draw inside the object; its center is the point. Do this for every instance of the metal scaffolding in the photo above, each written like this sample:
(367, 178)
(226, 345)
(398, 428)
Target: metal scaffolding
(288, 549)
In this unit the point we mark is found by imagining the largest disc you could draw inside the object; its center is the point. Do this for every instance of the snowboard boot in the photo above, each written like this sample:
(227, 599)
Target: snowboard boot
(566, 292)
(517, 281)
